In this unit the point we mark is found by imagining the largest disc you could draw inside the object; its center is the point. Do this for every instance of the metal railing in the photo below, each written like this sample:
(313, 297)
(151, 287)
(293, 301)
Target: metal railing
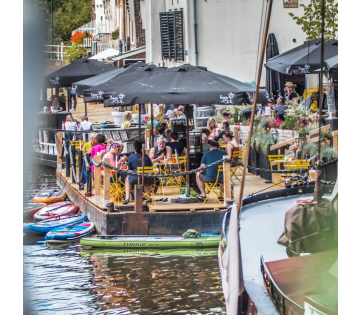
(55, 52)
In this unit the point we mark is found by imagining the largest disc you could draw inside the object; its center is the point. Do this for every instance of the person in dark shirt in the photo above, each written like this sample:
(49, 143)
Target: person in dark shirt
(211, 173)
(174, 144)
(280, 108)
(158, 153)
(135, 161)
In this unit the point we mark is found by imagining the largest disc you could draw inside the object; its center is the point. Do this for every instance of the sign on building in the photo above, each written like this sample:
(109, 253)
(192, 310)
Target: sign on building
(291, 3)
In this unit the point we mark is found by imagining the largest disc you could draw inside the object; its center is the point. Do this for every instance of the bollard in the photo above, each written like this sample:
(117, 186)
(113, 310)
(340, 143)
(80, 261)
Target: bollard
(106, 184)
(138, 198)
(88, 178)
(97, 179)
(81, 171)
(72, 152)
(59, 143)
(227, 181)
(67, 174)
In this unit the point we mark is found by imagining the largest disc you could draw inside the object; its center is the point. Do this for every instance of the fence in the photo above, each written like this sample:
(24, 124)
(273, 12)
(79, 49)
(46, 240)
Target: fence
(55, 52)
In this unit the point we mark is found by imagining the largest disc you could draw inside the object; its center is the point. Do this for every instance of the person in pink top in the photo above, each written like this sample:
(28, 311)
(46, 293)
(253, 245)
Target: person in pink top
(100, 140)
(113, 155)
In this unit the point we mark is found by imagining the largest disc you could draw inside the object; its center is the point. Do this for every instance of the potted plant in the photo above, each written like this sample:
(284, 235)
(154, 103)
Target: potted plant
(326, 136)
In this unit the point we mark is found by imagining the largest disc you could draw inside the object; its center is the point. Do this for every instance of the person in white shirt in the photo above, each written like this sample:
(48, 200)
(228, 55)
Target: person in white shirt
(85, 125)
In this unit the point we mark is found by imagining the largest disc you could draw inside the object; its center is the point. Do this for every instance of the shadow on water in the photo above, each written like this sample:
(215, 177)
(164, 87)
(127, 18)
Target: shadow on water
(70, 279)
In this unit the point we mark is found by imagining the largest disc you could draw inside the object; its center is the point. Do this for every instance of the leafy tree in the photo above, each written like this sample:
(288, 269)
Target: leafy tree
(311, 20)
(68, 16)
(74, 52)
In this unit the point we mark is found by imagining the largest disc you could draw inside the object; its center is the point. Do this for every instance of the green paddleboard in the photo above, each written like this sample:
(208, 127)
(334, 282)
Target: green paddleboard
(150, 241)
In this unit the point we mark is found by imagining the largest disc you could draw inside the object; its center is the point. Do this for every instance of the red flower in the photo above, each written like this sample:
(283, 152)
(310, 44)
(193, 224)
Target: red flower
(226, 117)
(248, 123)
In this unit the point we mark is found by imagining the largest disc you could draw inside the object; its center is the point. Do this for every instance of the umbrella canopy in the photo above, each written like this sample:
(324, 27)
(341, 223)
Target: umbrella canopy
(186, 84)
(111, 88)
(77, 70)
(79, 87)
(274, 80)
(110, 52)
(304, 58)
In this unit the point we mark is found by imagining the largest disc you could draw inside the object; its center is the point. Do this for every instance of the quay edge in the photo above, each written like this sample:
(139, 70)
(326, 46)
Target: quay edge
(143, 223)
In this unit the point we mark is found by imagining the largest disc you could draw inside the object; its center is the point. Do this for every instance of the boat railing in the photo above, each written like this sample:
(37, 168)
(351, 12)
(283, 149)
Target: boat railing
(275, 290)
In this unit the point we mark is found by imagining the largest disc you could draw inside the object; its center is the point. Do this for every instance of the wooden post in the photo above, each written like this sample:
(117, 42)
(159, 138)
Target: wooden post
(138, 198)
(336, 140)
(106, 183)
(59, 142)
(227, 181)
(236, 134)
(97, 180)
(147, 139)
(152, 125)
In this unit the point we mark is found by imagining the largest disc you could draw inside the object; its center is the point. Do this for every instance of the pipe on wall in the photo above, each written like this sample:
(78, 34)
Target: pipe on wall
(195, 34)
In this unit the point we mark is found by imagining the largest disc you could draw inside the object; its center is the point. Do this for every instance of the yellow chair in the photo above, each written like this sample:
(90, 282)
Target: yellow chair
(117, 188)
(234, 168)
(78, 143)
(149, 170)
(222, 145)
(276, 176)
(298, 164)
(215, 188)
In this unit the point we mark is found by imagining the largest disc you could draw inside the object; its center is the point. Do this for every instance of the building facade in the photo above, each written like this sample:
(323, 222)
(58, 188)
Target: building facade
(225, 32)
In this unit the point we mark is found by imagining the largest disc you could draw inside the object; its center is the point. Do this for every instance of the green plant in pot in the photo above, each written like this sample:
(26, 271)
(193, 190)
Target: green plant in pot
(326, 136)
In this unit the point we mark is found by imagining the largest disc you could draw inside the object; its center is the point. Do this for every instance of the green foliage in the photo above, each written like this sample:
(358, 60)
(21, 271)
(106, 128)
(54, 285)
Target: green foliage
(303, 133)
(326, 135)
(115, 34)
(328, 153)
(311, 148)
(68, 16)
(148, 125)
(313, 12)
(219, 118)
(74, 52)
(263, 143)
(254, 139)
(312, 128)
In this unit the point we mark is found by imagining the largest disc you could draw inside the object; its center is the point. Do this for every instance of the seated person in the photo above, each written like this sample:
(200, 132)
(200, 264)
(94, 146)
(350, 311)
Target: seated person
(280, 108)
(55, 106)
(175, 145)
(85, 124)
(135, 161)
(160, 131)
(214, 130)
(158, 153)
(168, 135)
(100, 140)
(231, 145)
(225, 127)
(114, 154)
(89, 145)
(204, 137)
(211, 173)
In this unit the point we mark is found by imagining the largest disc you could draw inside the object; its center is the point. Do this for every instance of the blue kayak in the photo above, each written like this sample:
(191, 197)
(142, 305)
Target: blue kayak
(45, 226)
(69, 233)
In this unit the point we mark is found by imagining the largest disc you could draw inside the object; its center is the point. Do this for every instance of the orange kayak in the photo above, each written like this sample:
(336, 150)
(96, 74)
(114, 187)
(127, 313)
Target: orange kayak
(50, 195)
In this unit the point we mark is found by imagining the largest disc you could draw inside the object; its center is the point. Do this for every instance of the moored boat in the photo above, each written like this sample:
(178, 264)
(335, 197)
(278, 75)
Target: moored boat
(50, 195)
(30, 209)
(47, 225)
(56, 209)
(69, 233)
(150, 241)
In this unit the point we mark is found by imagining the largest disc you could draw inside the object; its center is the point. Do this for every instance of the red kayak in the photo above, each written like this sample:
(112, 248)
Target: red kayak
(56, 209)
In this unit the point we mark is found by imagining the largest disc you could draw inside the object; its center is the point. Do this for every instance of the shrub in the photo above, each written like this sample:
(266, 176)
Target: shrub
(74, 52)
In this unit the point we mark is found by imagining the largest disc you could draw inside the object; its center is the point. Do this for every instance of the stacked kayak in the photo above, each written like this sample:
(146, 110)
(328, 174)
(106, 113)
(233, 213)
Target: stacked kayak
(45, 226)
(50, 195)
(30, 209)
(56, 209)
(151, 241)
(69, 233)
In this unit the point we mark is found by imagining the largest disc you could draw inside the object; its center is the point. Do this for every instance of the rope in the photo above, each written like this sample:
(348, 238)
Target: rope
(297, 171)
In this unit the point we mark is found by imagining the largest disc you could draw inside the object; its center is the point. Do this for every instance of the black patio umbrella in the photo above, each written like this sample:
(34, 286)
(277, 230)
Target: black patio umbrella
(77, 70)
(79, 87)
(304, 58)
(274, 79)
(186, 84)
(111, 87)
(331, 66)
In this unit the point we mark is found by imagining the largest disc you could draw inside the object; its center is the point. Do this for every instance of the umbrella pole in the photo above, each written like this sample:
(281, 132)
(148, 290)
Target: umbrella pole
(246, 156)
(187, 148)
(85, 108)
(139, 130)
(152, 125)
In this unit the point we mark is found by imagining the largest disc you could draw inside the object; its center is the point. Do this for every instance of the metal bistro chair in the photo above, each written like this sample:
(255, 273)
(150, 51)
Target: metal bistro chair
(298, 164)
(215, 188)
(276, 176)
(234, 168)
(222, 145)
(148, 170)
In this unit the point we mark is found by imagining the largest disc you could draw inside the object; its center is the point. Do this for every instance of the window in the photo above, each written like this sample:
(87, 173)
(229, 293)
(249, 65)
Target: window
(171, 31)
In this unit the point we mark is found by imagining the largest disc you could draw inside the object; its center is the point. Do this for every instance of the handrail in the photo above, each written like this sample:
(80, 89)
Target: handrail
(264, 267)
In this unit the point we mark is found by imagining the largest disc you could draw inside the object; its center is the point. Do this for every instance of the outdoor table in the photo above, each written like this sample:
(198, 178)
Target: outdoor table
(164, 170)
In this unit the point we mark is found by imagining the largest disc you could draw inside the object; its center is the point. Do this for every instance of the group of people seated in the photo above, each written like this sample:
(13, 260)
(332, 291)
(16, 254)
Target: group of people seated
(177, 113)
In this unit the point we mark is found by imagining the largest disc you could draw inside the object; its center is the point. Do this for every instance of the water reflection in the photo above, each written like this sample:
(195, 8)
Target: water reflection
(72, 280)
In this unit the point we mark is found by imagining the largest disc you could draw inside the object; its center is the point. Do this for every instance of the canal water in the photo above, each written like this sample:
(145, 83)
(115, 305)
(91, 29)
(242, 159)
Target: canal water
(74, 280)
